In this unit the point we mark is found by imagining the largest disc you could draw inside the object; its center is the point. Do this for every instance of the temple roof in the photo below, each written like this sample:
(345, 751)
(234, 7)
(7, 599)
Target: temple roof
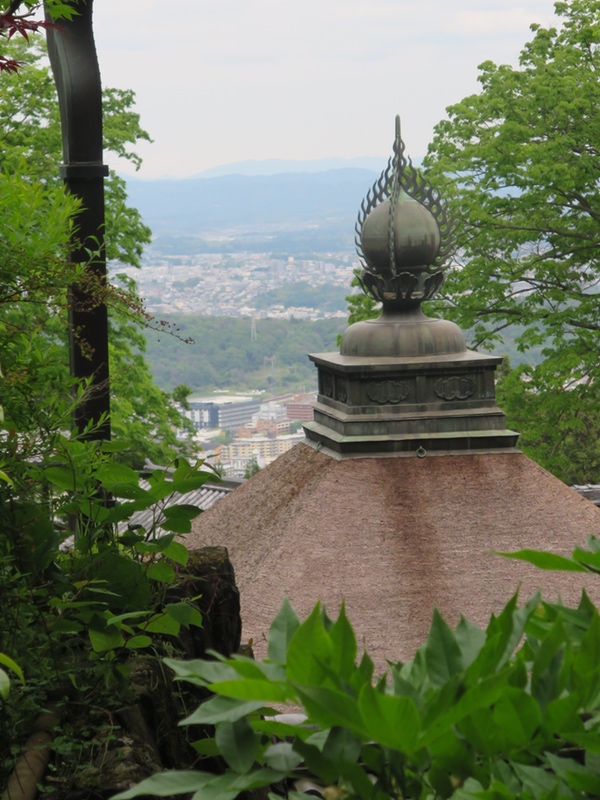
(394, 538)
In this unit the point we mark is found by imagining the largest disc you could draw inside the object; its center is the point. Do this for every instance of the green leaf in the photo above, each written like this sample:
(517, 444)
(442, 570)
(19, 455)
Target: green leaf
(309, 651)
(330, 708)
(107, 639)
(113, 473)
(6, 478)
(162, 572)
(181, 511)
(118, 619)
(517, 715)
(206, 747)
(185, 614)
(4, 684)
(8, 662)
(138, 642)
(281, 631)
(343, 642)
(588, 560)
(164, 784)
(126, 579)
(177, 552)
(341, 745)
(442, 653)
(162, 623)
(544, 560)
(237, 743)
(63, 478)
(392, 721)
(222, 709)
(266, 691)
(282, 757)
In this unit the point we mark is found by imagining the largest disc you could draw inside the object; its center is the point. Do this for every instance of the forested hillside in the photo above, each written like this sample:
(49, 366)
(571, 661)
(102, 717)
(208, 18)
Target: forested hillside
(224, 354)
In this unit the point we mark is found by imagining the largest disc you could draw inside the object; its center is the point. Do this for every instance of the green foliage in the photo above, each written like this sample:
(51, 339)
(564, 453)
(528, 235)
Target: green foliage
(31, 152)
(509, 711)
(520, 162)
(79, 591)
(326, 297)
(78, 587)
(252, 468)
(223, 354)
(559, 425)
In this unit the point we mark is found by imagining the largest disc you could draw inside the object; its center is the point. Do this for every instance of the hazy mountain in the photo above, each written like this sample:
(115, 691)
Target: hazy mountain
(276, 166)
(292, 212)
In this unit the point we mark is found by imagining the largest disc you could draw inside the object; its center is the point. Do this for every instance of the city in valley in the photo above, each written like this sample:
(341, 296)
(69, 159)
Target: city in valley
(245, 430)
(261, 285)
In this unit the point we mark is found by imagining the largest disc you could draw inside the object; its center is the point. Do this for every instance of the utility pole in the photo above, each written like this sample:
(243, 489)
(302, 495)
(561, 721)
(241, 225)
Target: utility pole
(74, 62)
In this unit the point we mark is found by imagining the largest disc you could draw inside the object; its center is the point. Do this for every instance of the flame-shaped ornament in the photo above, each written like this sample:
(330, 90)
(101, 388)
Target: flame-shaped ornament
(403, 234)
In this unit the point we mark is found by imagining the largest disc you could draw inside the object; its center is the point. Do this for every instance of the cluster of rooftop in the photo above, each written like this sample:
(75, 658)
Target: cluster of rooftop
(232, 284)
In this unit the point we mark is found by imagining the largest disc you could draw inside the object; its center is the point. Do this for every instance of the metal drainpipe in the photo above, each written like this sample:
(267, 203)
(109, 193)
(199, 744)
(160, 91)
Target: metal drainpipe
(74, 62)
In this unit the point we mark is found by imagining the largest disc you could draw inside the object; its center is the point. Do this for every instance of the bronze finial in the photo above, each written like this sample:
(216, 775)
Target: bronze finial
(402, 233)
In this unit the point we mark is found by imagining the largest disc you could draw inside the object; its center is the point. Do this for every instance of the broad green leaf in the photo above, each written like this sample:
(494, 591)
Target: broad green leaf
(281, 631)
(126, 579)
(181, 511)
(585, 660)
(237, 743)
(185, 614)
(107, 639)
(114, 446)
(517, 715)
(344, 646)
(470, 639)
(11, 664)
(222, 709)
(230, 785)
(325, 770)
(164, 784)
(544, 560)
(342, 745)
(6, 478)
(392, 721)
(329, 708)
(587, 559)
(162, 623)
(309, 651)
(280, 730)
(561, 716)
(64, 478)
(118, 619)
(114, 473)
(161, 571)
(482, 695)
(131, 491)
(138, 642)
(247, 689)
(206, 747)
(177, 552)
(282, 757)
(257, 670)
(442, 652)
(203, 670)
(4, 684)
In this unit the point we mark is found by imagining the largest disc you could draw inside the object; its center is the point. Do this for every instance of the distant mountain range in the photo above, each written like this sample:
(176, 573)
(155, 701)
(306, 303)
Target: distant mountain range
(288, 211)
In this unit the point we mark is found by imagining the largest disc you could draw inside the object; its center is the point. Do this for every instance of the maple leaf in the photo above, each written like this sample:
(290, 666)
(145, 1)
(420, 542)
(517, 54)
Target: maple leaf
(9, 64)
(23, 24)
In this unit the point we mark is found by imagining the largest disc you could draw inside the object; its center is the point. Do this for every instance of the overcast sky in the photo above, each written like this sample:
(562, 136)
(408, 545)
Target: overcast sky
(219, 81)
